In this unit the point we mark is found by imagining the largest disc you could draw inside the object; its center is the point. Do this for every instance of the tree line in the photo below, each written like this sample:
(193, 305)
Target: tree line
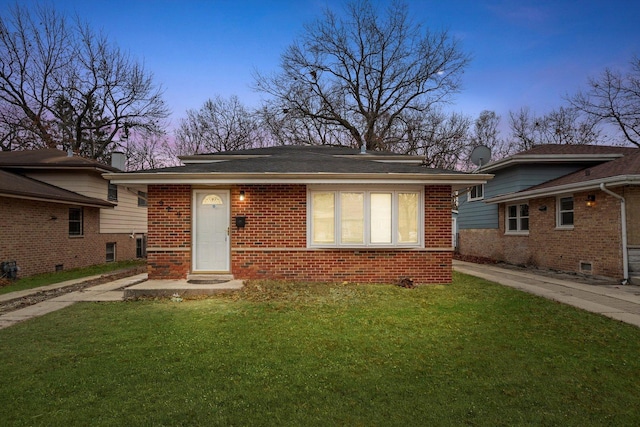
(369, 78)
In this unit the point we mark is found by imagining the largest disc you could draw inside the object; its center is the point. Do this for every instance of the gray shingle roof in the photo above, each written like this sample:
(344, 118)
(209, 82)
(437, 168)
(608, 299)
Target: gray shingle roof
(18, 186)
(303, 160)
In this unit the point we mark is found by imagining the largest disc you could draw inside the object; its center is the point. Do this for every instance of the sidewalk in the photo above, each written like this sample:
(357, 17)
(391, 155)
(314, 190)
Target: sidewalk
(111, 291)
(620, 302)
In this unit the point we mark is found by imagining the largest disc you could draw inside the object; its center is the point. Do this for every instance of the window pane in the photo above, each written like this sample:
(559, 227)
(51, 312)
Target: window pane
(323, 205)
(352, 217)
(513, 224)
(566, 204)
(408, 218)
(524, 224)
(380, 217)
(513, 211)
(524, 210)
(75, 221)
(566, 218)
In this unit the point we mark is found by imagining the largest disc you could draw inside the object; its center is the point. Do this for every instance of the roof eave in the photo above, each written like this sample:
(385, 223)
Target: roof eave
(63, 201)
(614, 181)
(213, 178)
(548, 158)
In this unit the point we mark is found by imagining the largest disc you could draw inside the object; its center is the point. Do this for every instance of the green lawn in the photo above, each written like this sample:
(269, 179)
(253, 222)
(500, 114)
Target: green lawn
(61, 276)
(472, 353)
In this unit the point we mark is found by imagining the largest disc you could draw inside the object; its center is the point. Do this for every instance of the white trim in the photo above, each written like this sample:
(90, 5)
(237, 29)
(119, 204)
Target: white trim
(549, 158)
(475, 199)
(577, 187)
(367, 191)
(194, 237)
(560, 226)
(518, 217)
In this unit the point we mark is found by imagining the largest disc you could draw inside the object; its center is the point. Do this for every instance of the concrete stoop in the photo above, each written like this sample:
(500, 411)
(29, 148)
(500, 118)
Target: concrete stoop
(193, 286)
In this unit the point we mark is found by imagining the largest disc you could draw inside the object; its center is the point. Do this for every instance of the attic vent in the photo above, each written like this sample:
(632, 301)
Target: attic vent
(587, 172)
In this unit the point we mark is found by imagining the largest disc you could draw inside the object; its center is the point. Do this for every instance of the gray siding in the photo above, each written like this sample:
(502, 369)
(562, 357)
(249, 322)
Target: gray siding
(478, 214)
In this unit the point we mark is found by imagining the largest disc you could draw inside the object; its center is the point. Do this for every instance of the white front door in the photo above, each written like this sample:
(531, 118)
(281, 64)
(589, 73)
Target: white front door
(211, 214)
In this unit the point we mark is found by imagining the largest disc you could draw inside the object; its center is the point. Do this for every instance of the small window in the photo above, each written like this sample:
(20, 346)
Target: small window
(141, 247)
(75, 222)
(142, 199)
(565, 212)
(517, 218)
(111, 252)
(112, 195)
(476, 192)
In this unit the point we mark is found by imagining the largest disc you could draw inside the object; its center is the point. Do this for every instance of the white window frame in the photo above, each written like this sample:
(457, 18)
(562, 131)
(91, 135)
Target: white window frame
(518, 218)
(473, 198)
(559, 212)
(367, 191)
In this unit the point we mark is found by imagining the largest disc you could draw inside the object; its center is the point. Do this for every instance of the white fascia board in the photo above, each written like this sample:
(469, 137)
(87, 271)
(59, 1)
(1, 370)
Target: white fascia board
(614, 181)
(458, 180)
(548, 158)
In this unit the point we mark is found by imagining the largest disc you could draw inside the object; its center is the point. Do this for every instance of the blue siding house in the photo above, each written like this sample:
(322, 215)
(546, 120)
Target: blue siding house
(517, 217)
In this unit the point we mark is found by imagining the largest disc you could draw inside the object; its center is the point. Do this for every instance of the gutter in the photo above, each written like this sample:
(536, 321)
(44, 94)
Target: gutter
(623, 219)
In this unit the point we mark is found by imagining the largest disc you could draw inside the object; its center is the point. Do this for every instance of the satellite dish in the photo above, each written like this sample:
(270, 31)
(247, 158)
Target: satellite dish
(480, 155)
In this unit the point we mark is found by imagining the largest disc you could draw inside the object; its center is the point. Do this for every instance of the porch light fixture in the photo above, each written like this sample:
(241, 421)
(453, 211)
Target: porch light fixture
(591, 200)
(241, 195)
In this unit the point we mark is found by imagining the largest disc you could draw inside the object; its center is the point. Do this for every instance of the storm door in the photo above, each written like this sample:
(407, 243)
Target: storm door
(211, 231)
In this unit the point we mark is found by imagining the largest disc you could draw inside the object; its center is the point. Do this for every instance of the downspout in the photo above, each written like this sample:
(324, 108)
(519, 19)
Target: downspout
(623, 218)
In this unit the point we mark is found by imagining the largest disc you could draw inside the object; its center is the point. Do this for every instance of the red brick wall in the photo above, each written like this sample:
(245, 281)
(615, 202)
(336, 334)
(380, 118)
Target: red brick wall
(39, 243)
(595, 238)
(169, 231)
(273, 242)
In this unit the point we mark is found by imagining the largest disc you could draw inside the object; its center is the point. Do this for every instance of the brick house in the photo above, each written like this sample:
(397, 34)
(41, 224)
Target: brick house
(573, 208)
(313, 213)
(57, 212)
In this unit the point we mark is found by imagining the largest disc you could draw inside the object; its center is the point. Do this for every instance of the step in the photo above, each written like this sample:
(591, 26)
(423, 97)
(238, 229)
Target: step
(208, 279)
(180, 288)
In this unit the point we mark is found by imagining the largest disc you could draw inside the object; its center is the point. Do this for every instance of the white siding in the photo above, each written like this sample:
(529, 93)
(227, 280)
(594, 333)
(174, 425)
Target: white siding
(126, 217)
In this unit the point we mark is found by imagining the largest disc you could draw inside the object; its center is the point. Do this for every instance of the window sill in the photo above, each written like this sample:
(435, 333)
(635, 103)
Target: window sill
(565, 228)
(77, 237)
(516, 233)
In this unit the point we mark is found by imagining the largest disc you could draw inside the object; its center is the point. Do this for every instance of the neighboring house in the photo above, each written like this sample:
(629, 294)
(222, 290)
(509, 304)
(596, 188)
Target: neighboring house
(572, 208)
(57, 212)
(314, 213)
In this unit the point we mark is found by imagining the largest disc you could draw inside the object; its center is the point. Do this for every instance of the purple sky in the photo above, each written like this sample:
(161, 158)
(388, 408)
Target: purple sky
(525, 53)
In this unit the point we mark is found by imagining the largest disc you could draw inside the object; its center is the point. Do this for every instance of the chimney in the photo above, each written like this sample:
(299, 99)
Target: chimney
(118, 160)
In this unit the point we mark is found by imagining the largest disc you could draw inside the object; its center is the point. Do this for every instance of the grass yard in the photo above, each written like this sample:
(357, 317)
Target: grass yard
(60, 276)
(472, 353)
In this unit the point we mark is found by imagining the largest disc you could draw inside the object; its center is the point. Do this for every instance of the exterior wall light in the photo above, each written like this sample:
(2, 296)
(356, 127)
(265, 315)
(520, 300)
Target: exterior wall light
(591, 200)
(241, 195)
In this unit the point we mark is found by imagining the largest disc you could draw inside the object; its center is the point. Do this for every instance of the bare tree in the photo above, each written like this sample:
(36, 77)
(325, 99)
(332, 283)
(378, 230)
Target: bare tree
(63, 85)
(289, 127)
(219, 125)
(562, 126)
(361, 73)
(614, 97)
(486, 132)
(440, 137)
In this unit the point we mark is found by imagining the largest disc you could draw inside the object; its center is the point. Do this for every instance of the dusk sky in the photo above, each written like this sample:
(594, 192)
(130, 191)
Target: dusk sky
(525, 53)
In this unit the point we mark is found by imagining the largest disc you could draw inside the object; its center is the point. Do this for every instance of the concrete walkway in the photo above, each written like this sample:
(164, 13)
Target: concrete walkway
(616, 301)
(111, 291)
